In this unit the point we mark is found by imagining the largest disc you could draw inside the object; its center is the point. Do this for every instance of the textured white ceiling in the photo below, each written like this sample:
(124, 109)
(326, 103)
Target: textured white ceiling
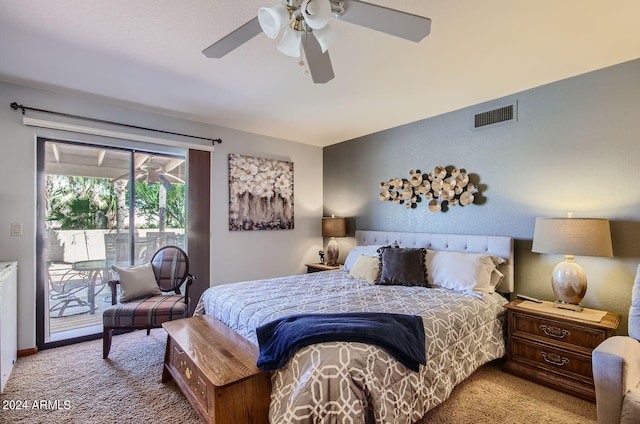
(148, 52)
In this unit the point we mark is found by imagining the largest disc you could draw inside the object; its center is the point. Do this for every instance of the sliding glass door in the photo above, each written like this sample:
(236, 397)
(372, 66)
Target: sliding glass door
(99, 206)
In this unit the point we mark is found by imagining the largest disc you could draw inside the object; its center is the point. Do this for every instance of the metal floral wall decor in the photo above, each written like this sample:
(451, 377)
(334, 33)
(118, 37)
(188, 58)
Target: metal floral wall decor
(260, 193)
(441, 188)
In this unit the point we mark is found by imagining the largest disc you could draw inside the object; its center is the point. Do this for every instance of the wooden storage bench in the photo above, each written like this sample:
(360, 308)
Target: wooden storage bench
(216, 370)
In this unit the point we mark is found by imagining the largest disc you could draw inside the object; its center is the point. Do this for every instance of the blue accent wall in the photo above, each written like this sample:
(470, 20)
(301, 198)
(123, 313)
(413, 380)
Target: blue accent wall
(575, 147)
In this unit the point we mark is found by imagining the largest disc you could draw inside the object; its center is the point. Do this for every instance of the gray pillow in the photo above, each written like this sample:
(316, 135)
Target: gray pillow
(402, 266)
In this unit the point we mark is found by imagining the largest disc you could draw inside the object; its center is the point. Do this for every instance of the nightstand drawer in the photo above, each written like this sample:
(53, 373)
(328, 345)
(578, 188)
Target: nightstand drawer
(569, 363)
(579, 337)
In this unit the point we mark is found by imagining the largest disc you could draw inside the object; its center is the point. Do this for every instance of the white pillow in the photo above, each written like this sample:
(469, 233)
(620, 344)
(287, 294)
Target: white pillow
(356, 251)
(465, 272)
(366, 268)
(137, 282)
(634, 310)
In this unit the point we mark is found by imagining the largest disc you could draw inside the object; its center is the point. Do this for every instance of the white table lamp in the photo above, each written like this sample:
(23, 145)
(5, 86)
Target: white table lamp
(571, 237)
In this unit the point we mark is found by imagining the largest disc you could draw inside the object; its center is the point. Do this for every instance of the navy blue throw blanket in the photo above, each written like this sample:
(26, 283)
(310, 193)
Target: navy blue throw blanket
(400, 335)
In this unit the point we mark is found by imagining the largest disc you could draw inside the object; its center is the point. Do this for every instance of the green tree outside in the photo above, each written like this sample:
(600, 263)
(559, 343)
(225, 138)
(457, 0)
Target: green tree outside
(74, 202)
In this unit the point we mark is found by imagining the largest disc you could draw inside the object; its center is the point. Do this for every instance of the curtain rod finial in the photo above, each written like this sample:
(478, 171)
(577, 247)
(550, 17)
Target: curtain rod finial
(16, 106)
(216, 140)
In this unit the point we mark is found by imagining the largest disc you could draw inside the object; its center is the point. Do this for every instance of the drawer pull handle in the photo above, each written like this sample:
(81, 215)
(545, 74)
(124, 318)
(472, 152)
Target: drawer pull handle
(558, 333)
(555, 359)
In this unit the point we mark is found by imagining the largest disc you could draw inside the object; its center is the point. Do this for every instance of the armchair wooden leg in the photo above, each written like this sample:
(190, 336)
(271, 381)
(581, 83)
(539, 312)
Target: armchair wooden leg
(148, 331)
(106, 341)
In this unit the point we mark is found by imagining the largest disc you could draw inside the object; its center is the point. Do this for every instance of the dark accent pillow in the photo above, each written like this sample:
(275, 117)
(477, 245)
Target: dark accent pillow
(403, 266)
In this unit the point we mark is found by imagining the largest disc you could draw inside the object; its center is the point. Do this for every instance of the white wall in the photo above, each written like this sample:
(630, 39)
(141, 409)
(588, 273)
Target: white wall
(236, 256)
(575, 147)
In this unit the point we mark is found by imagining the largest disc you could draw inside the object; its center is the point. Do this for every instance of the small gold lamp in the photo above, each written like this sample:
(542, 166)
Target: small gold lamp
(333, 227)
(569, 237)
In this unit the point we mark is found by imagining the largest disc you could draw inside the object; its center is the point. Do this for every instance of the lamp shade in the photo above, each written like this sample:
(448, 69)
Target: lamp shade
(572, 236)
(334, 227)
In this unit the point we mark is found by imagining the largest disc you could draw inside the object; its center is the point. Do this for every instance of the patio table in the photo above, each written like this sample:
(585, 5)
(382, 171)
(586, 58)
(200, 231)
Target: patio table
(94, 268)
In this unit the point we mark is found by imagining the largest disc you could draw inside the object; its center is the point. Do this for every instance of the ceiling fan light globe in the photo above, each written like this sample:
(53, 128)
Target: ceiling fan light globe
(290, 42)
(316, 13)
(273, 19)
(326, 36)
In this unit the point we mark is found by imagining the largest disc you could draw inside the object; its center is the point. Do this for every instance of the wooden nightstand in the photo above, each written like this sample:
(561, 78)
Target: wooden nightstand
(554, 349)
(321, 267)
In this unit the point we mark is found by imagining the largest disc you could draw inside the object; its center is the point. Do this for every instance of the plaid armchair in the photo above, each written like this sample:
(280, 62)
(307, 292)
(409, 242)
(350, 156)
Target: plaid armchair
(151, 294)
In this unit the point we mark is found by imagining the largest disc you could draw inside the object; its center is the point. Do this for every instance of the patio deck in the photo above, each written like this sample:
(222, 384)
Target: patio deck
(75, 315)
(73, 322)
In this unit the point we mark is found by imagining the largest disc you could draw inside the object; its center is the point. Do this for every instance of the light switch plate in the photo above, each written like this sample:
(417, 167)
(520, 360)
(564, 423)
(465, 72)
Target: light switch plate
(16, 229)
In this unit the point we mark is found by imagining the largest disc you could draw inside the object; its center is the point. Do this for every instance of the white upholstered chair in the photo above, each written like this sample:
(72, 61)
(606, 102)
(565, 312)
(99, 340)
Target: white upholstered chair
(616, 370)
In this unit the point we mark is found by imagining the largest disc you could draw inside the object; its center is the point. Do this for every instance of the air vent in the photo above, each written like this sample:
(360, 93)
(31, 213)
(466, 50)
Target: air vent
(494, 116)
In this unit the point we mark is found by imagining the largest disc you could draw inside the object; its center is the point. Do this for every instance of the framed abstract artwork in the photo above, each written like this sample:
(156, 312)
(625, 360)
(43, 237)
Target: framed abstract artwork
(260, 193)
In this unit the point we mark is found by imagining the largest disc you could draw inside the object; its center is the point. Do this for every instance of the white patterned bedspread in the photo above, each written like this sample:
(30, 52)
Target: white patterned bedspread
(341, 382)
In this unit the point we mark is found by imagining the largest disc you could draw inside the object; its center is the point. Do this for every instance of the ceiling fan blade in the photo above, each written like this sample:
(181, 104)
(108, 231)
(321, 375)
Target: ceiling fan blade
(167, 185)
(141, 159)
(126, 176)
(390, 21)
(234, 39)
(319, 63)
(173, 177)
(121, 177)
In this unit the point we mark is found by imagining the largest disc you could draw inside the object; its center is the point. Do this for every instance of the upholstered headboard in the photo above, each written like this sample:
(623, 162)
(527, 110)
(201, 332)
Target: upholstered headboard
(490, 245)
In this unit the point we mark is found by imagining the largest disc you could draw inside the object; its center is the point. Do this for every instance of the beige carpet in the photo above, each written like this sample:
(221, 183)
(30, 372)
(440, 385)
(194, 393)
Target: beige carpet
(73, 384)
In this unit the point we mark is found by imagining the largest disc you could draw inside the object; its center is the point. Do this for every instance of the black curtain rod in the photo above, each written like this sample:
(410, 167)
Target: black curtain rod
(16, 106)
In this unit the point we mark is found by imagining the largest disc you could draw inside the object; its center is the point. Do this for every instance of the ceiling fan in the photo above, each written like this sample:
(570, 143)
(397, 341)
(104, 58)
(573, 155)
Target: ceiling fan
(303, 25)
(152, 172)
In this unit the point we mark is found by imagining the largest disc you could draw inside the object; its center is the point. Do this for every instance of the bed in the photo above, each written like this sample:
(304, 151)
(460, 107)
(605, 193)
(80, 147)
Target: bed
(346, 381)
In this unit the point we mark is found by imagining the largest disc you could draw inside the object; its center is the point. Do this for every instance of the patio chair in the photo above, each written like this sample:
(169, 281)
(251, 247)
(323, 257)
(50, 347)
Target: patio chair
(150, 294)
(144, 248)
(176, 240)
(65, 285)
(116, 246)
(161, 238)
